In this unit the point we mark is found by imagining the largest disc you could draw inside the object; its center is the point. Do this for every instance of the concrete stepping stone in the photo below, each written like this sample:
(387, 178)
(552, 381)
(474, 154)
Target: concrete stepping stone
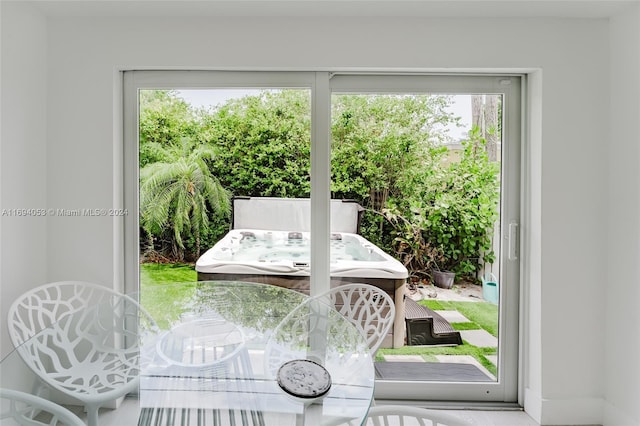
(479, 338)
(404, 358)
(492, 358)
(453, 316)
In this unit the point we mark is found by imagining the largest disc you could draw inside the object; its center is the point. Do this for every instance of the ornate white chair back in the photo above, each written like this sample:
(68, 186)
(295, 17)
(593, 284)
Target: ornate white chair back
(82, 339)
(368, 307)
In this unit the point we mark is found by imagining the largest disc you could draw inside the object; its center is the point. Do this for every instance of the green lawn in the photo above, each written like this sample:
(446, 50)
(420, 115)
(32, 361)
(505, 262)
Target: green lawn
(481, 314)
(164, 273)
(157, 297)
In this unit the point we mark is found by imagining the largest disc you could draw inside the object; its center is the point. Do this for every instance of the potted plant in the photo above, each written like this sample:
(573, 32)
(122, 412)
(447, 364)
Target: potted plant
(442, 278)
(442, 274)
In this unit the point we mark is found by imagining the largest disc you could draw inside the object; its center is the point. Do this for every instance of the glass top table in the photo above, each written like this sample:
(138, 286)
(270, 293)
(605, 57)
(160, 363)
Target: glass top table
(235, 353)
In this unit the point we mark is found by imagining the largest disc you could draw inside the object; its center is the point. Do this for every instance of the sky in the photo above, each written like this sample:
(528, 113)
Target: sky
(461, 105)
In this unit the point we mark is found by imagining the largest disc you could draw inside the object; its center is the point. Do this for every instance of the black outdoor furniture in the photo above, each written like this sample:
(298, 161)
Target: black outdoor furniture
(427, 327)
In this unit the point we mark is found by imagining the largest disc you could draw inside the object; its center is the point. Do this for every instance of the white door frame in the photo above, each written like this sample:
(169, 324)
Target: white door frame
(322, 84)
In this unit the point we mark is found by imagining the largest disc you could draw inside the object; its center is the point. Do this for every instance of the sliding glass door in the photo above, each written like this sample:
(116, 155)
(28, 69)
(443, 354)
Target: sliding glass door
(434, 160)
(406, 182)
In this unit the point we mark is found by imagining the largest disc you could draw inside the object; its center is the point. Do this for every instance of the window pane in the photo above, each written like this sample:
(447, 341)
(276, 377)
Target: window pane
(426, 170)
(224, 187)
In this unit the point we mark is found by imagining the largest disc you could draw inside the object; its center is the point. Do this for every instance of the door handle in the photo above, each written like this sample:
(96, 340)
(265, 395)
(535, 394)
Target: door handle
(514, 241)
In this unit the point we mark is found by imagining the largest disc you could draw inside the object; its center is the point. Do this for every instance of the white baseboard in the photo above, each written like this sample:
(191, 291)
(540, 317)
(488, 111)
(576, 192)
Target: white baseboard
(533, 405)
(613, 416)
(572, 411)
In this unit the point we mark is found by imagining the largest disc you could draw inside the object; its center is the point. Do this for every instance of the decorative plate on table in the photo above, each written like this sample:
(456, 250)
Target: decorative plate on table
(304, 379)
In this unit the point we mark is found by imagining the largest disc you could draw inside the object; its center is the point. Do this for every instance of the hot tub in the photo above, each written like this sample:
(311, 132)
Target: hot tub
(264, 252)
(282, 258)
(277, 256)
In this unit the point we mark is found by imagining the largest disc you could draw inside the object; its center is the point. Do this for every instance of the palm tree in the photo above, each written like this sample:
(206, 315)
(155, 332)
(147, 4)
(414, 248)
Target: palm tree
(178, 192)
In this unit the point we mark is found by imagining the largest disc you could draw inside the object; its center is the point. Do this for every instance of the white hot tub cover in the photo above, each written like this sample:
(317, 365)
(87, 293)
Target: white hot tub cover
(286, 214)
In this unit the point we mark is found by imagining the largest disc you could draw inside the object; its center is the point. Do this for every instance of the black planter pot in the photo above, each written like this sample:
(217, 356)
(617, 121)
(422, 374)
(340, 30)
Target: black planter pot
(443, 279)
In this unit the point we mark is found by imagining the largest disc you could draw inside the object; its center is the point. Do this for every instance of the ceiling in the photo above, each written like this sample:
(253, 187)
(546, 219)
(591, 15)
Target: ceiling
(333, 8)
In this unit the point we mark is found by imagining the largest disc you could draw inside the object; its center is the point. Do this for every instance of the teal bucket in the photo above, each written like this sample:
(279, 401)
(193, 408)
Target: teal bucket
(490, 291)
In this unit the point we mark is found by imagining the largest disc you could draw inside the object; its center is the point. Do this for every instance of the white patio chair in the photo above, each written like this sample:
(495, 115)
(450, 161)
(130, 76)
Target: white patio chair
(368, 307)
(401, 415)
(204, 348)
(81, 339)
(24, 409)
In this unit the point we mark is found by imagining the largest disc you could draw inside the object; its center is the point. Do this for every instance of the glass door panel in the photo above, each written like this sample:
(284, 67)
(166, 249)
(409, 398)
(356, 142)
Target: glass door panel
(426, 165)
(224, 187)
(426, 170)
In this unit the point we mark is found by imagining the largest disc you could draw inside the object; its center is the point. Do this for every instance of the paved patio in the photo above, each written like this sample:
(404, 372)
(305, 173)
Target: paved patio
(464, 292)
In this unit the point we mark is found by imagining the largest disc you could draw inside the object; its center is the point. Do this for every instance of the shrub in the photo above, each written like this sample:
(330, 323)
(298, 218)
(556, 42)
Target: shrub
(451, 210)
(386, 154)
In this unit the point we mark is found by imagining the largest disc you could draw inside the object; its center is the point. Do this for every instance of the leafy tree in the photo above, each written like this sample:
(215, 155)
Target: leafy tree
(379, 145)
(387, 153)
(455, 207)
(263, 143)
(165, 119)
(178, 194)
(377, 141)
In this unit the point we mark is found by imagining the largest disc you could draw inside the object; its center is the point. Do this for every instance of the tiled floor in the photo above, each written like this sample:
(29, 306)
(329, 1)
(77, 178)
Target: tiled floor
(497, 418)
(126, 415)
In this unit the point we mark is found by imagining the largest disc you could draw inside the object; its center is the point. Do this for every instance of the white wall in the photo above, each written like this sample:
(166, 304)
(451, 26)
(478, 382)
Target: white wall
(23, 148)
(566, 383)
(622, 333)
(574, 121)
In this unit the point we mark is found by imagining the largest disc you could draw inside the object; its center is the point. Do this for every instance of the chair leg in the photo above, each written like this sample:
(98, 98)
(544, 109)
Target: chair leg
(39, 388)
(92, 415)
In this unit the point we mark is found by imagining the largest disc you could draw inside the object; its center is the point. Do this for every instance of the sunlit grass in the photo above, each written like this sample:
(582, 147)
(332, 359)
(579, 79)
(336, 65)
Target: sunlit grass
(159, 297)
(460, 326)
(157, 294)
(166, 273)
(485, 315)
(428, 353)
